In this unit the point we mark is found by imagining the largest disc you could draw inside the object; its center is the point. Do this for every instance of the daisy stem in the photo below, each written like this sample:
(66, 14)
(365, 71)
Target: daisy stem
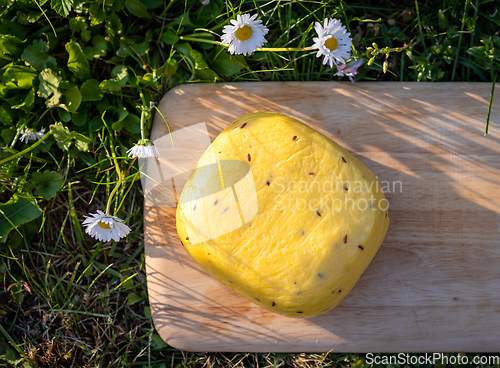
(45, 15)
(27, 149)
(117, 168)
(142, 125)
(167, 8)
(285, 49)
(168, 126)
(186, 38)
(143, 112)
(118, 183)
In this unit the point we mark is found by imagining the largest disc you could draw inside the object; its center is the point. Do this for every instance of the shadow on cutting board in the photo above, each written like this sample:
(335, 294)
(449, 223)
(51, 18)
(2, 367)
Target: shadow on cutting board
(433, 285)
(435, 276)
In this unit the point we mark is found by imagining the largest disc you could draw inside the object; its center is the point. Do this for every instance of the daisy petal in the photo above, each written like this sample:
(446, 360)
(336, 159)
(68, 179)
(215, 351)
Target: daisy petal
(333, 42)
(31, 134)
(143, 149)
(105, 227)
(245, 35)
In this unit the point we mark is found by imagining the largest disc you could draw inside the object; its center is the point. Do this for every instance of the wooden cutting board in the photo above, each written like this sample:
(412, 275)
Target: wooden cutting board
(433, 286)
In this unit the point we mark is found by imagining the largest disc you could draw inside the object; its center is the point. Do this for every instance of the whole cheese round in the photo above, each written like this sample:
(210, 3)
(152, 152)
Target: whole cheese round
(282, 215)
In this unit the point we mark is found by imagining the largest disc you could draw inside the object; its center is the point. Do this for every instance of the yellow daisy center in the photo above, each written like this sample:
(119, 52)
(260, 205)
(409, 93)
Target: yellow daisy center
(244, 33)
(332, 43)
(104, 225)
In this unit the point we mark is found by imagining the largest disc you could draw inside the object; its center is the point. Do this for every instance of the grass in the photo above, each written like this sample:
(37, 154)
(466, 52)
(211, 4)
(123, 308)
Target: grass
(86, 71)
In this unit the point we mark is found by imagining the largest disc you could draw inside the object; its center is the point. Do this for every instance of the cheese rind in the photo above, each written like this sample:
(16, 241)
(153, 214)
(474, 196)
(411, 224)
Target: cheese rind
(282, 215)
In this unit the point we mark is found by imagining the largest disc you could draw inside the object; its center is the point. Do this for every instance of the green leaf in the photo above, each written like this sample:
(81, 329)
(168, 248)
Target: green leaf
(113, 25)
(121, 78)
(27, 103)
(114, 5)
(17, 211)
(36, 54)
(62, 135)
(64, 114)
(117, 125)
(226, 64)
(8, 135)
(95, 124)
(152, 4)
(122, 113)
(137, 8)
(73, 98)
(97, 14)
(442, 21)
(147, 79)
(477, 51)
(82, 143)
(184, 20)
(78, 24)
(6, 114)
(129, 48)
(206, 75)
(100, 46)
(21, 76)
(127, 282)
(195, 56)
(5, 88)
(207, 13)
(80, 117)
(86, 35)
(54, 100)
(49, 86)
(132, 124)
(169, 68)
(33, 16)
(9, 45)
(11, 356)
(99, 49)
(62, 7)
(16, 99)
(158, 341)
(49, 83)
(170, 36)
(47, 184)
(133, 298)
(77, 62)
(91, 90)
(202, 71)
(17, 291)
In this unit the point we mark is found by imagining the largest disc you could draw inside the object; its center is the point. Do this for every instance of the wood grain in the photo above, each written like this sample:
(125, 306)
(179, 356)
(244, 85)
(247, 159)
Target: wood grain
(433, 285)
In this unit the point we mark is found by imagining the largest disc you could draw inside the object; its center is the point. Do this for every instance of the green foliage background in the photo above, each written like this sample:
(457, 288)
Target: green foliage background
(84, 71)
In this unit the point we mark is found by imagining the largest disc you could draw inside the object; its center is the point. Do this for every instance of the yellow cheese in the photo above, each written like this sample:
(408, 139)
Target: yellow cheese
(282, 215)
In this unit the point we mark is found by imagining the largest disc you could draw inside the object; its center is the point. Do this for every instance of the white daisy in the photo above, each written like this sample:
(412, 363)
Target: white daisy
(245, 35)
(333, 42)
(105, 227)
(29, 134)
(349, 69)
(143, 149)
